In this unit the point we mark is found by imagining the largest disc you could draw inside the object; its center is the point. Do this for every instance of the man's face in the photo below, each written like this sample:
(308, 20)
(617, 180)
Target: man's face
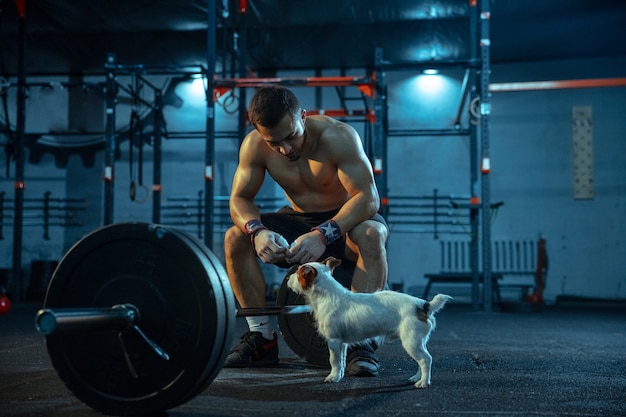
(287, 137)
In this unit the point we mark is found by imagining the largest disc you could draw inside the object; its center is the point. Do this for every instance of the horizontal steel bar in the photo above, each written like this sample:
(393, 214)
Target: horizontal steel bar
(557, 85)
(274, 310)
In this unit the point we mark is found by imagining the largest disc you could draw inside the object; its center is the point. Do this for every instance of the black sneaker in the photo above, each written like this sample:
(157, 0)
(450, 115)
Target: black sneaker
(254, 350)
(361, 360)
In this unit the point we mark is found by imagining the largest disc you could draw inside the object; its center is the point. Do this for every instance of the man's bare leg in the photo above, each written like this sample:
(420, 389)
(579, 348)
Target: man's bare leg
(248, 284)
(244, 272)
(368, 240)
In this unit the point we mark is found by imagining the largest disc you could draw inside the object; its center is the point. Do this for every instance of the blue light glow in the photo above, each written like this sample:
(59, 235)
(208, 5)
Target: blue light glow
(430, 85)
(192, 92)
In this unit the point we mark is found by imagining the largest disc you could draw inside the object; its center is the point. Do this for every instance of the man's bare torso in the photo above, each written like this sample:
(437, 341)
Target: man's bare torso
(311, 183)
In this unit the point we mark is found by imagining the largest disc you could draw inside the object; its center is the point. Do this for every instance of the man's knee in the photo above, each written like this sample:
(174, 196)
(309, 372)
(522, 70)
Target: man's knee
(235, 239)
(377, 232)
(369, 238)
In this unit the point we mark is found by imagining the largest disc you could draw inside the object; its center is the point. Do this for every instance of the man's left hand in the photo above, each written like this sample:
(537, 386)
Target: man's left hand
(306, 248)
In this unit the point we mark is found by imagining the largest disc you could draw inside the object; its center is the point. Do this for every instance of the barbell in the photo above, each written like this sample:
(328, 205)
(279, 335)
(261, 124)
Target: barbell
(139, 318)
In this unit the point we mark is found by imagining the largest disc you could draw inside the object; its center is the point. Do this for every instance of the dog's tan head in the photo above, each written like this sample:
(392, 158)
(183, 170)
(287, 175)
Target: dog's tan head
(302, 280)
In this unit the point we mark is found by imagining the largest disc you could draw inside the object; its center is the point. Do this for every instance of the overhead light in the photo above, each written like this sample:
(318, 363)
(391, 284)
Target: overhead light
(430, 71)
(429, 84)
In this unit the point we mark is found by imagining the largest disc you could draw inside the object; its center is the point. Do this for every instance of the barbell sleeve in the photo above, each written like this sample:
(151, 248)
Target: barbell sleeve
(119, 317)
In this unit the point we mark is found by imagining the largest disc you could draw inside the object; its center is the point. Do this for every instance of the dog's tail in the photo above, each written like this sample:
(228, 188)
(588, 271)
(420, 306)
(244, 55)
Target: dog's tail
(431, 307)
(438, 302)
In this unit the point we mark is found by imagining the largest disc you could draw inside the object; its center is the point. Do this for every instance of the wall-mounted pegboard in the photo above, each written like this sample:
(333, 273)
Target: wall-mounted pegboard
(582, 151)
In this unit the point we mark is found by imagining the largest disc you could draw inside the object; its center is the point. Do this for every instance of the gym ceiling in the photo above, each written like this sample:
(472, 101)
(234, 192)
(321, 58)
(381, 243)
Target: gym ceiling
(74, 37)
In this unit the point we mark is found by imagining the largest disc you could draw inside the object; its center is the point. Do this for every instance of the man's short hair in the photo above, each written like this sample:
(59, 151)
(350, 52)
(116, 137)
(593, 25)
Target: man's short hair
(270, 104)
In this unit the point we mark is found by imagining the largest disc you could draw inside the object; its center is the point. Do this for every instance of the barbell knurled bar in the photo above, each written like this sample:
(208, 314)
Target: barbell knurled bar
(124, 316)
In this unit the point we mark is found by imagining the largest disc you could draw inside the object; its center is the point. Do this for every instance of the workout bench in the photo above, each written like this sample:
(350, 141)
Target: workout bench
(510, 258)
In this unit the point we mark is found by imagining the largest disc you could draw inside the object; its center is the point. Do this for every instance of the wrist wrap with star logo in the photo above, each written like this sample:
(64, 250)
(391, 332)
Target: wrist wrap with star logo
(330, 230)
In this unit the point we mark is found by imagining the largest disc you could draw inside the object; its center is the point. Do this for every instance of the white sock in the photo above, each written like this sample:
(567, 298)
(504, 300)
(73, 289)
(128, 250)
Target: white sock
(261, 324)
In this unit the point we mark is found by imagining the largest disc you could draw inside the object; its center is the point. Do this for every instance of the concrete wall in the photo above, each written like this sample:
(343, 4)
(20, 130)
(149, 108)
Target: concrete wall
(532, 174)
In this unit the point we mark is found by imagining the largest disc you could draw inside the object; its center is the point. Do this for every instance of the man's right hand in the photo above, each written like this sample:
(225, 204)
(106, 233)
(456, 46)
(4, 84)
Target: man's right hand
(270, 246)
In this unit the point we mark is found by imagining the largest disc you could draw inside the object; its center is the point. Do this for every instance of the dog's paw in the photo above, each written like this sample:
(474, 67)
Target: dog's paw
(421, 384)
(419, 381)
(333, 377)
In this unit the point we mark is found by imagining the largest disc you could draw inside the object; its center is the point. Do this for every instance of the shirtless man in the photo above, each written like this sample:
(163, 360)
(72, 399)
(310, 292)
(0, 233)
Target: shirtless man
(320, 164)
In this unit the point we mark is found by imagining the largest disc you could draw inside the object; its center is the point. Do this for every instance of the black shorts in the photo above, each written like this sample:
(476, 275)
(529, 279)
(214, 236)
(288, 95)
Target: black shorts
(292, 224)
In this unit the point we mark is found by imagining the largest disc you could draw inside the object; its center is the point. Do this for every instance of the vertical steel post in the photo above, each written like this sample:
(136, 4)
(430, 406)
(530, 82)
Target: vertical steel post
(109, 155)
(485, 111)
(379, 156)
(473, 139)
(156, 170)
(19, 152)
(240, 51)
(210, 124)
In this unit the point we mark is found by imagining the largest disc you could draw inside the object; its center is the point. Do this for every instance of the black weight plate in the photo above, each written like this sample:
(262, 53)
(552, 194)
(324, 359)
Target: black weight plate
(183, 305)
(299, 330)
(228, 320)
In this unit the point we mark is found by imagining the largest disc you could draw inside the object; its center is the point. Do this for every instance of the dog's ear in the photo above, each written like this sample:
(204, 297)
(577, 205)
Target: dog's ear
(332, 262)
(306, 275)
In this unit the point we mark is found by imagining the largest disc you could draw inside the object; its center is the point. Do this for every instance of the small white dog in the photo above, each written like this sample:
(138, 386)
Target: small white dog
(344, 318)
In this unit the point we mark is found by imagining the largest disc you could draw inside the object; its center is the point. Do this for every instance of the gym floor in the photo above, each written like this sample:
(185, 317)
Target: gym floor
(567, 360)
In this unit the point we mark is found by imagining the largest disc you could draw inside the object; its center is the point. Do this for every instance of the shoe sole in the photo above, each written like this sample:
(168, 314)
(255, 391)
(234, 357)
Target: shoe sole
(355, 369)
(255, 364)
